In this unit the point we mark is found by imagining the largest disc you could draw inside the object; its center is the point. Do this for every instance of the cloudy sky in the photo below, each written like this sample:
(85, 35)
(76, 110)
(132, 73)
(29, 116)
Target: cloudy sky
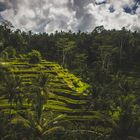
(51, 15)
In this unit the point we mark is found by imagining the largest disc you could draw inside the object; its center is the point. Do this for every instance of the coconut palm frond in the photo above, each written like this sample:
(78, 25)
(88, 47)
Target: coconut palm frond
(20, 120)
(53, 130)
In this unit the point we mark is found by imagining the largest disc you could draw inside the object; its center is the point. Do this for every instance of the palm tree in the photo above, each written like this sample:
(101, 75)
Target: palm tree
(127, 125)
(13, 89)
(24, 125)
(35, 122)
(27, 125)
(39, 93)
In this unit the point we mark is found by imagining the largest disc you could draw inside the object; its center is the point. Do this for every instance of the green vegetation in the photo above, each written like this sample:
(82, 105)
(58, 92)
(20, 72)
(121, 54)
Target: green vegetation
(34, 57)
(81, 86)
(41, 88)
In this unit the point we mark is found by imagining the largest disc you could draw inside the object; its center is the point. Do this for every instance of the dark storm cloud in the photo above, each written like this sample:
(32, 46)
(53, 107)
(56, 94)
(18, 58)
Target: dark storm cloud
(2, 6)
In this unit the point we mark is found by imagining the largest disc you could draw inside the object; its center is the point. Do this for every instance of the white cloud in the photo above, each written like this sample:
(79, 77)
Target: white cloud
(100, 1)
(117, 19)
(51, 15)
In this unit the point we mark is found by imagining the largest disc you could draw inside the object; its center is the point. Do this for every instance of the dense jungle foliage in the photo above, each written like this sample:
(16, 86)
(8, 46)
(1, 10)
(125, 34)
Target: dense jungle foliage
(41, 100)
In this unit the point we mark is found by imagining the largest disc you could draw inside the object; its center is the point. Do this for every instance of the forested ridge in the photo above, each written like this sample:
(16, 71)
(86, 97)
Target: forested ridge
(40, 98)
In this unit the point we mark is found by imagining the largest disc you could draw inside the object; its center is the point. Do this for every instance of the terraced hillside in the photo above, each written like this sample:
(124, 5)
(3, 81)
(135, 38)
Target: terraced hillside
(67, 93)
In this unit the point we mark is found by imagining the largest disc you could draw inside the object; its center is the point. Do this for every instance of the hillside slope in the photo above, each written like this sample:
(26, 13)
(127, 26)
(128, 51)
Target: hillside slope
(67, 93)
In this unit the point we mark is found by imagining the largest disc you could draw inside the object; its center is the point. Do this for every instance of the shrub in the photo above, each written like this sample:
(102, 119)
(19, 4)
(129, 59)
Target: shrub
(8, 53)
(34, 57)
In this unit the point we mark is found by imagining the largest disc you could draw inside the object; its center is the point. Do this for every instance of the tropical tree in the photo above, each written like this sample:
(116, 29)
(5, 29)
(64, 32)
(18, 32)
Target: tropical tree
(34, 57)
(27, 126)
(13, 89)
(127, 121)
(65, 47)
(39, 93)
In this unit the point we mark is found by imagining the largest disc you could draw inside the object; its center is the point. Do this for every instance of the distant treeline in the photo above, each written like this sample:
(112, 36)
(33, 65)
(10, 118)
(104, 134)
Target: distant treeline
(112, 50)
